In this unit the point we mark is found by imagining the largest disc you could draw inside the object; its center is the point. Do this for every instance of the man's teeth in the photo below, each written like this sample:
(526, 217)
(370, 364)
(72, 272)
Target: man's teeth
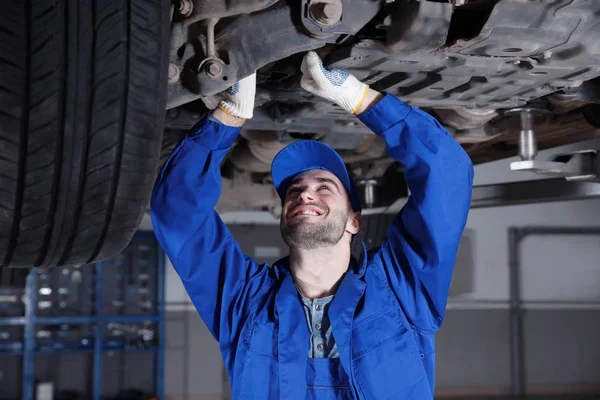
(307, 212)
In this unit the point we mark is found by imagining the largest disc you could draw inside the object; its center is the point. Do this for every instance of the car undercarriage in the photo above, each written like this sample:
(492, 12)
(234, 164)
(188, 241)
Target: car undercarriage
(95, 95)
(476, 65)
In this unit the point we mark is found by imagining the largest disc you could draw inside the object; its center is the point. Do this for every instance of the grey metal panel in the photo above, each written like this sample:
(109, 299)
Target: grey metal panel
(176, 352)
(472, 350)
(528, 192)
(10, 377)
(65, 371)
(175, 384)
(174, 331)
(205, 377)
(193, 363)
(562, 348)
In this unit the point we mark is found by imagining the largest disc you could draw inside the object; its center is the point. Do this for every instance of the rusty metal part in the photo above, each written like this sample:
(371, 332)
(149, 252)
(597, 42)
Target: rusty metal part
(185, 8)
(241, 193)
(173, 73)
(366, 144)
(326, 12)
(204, 9)
(210, 37)
(244, 160)
(259, 152)
(324, 19)
(273, 37)
(465, 118)
(375, 151)
(213, 69)
(265, 151)
(212, 65)
(418, 26)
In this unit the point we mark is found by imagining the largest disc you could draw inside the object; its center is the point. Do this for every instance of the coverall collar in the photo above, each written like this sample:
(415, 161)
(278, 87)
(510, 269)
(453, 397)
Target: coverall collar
(356, 268)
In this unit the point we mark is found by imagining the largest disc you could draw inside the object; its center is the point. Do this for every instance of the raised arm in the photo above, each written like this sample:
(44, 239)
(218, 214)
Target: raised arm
(217, 276)
(419, 252)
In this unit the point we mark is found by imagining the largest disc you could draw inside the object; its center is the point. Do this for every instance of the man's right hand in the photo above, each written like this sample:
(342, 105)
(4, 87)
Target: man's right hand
(238, 102)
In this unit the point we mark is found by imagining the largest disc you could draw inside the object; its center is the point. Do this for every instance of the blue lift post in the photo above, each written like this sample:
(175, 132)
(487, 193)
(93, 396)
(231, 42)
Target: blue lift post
(98, 335)
(30, 322)
(29, 336)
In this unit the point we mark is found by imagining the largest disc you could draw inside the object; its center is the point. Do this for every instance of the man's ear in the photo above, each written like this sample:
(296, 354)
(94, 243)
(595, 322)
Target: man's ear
(353, 225)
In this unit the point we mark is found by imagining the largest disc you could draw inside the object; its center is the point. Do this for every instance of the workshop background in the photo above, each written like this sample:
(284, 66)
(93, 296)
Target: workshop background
(523, 314)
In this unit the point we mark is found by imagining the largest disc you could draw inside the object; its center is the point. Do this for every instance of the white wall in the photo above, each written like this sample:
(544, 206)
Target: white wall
(554, 268)
(558, 268)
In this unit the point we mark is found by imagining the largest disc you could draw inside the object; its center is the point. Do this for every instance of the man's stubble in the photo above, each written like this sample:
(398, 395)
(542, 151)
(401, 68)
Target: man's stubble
(308, 236)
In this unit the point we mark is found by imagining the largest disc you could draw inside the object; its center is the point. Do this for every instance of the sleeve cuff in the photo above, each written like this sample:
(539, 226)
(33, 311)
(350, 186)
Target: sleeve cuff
(386, 113)
(213, 134)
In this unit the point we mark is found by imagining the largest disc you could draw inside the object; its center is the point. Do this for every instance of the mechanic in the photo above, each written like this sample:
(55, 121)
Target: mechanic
(320, 324)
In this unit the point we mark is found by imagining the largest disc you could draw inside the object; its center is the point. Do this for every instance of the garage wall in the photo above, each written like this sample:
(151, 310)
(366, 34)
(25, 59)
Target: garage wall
(561, 339)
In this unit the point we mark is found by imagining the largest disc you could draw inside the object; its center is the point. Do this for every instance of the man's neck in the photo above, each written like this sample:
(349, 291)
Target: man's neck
(318, 272)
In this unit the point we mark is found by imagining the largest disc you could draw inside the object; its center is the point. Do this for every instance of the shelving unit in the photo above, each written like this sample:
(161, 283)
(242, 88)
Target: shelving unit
(134, 309)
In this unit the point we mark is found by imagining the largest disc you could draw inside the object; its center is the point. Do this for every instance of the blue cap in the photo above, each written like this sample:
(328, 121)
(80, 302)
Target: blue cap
(306, 155)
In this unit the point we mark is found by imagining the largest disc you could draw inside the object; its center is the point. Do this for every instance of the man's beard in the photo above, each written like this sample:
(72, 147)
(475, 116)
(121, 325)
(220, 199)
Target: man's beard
(308, 236)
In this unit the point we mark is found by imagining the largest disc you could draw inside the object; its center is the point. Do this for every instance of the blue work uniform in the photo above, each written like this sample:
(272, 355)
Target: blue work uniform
(389, 303)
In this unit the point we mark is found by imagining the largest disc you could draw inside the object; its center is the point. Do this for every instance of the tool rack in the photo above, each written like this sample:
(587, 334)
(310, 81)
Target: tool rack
(98, 343)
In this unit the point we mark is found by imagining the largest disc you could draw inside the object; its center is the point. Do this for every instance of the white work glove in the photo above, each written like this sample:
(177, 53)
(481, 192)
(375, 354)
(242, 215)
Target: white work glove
(335, 85)
(239, 99)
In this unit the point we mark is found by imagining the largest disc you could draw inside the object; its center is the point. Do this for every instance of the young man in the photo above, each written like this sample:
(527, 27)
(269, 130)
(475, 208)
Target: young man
(319, 324)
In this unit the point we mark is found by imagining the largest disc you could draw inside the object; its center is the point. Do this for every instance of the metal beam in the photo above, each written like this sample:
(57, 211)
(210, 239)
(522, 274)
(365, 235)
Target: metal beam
(530, 192)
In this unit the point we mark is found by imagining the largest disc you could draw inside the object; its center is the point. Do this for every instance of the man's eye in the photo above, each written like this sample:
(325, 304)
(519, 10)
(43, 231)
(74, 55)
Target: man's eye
(324, 187)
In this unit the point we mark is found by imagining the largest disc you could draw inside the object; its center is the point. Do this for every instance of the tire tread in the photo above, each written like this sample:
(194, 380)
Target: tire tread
(79, 87)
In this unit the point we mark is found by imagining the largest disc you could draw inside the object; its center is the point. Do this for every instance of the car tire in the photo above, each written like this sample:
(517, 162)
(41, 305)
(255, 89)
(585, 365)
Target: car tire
(82, 104)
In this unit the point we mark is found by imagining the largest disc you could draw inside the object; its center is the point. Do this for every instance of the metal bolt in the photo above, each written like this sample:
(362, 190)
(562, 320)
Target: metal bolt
(173, 73)
(185, 8)
(326, 13)
(214, 69)
(369, 186)
(527, 140)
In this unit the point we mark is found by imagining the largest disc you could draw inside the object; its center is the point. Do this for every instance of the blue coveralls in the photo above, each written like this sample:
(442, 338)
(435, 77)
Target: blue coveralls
(389, 304)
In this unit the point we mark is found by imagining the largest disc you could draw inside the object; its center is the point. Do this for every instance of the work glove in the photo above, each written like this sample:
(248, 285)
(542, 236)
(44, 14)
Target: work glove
(239, 99)
(335, 85)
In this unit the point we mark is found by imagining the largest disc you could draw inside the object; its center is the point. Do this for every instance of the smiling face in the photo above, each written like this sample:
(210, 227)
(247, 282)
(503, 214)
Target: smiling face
(317, 211)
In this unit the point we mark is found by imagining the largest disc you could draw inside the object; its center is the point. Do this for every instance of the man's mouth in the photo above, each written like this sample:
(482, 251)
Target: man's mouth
(305, 210)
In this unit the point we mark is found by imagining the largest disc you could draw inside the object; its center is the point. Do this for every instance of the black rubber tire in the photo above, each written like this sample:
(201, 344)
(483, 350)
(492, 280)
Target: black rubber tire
(82, 104)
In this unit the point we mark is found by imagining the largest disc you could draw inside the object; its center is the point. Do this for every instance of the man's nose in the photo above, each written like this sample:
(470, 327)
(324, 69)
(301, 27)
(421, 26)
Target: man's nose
(306, 195)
